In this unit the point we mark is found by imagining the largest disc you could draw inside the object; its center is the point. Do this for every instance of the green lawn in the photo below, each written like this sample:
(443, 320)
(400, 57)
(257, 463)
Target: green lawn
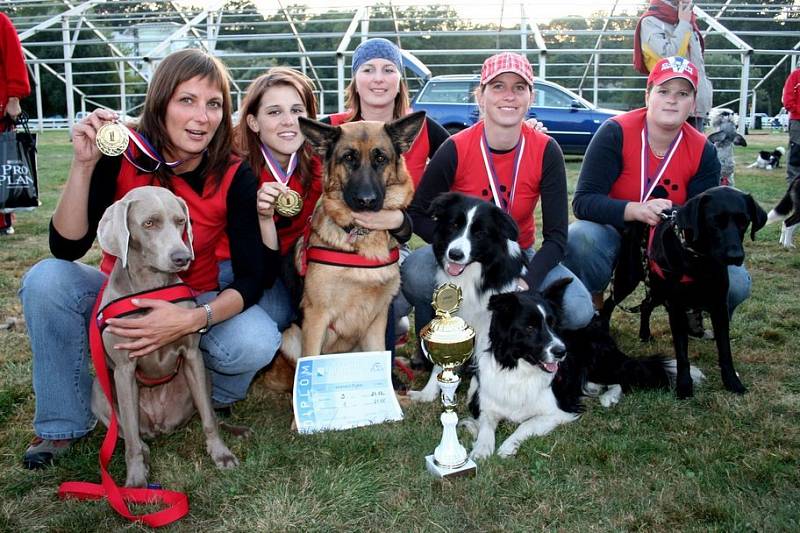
(716, 462)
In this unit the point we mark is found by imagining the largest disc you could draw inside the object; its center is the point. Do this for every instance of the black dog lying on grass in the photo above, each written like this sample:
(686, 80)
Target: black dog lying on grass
(688, 257)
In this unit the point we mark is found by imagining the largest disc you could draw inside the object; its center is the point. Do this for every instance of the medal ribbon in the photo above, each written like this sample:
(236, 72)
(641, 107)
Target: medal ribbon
(275, 167)
(494, 181)
(649, 181)
(147, 149)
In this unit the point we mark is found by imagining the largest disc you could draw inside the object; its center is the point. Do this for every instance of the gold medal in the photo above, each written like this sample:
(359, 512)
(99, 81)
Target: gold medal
(112, 139)
(289, 204)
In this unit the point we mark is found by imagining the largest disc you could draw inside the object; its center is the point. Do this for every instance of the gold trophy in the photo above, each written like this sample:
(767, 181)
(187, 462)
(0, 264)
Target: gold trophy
(448, 341)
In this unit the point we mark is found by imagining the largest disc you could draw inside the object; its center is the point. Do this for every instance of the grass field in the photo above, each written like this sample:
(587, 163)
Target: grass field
(715, 462)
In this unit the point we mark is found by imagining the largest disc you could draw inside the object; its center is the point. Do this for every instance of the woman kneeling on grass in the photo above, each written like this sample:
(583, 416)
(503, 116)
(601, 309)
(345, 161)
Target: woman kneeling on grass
(639, 164)
(523, 165)
(186, 120)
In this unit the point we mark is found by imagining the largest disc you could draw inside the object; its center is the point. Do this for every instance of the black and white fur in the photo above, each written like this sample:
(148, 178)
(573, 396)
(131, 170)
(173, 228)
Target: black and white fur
(475, 245)
(536, 377)
(767, 160)
(789, 206)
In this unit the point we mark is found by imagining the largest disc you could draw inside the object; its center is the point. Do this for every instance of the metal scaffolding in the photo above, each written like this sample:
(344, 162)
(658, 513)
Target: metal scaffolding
(250, 37)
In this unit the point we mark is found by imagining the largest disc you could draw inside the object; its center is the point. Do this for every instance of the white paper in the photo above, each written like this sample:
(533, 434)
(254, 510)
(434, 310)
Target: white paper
(343, 391)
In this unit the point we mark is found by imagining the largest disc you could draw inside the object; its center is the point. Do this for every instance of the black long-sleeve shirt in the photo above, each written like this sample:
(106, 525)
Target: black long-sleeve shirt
(602, 166)
(439, 176)
(255, 266)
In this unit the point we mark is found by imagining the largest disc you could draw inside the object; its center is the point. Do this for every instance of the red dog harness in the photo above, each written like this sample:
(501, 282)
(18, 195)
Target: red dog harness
(655, 268)
(177, 502)
(329, 256)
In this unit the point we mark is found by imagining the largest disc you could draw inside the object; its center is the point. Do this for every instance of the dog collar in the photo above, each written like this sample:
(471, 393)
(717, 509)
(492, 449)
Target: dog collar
(328, 256)
(124, 306)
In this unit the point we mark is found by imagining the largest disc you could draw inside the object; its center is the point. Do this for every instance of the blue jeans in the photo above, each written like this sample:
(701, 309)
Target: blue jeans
(592, 250)
(419, 281)
(57, 300)
(275, 301)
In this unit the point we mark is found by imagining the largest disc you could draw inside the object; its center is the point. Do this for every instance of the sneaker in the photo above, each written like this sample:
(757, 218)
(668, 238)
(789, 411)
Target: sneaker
(8, 230)
(42, 452)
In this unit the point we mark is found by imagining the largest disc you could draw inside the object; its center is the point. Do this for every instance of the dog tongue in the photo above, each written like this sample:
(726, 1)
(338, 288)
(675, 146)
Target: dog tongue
(550, 367)
(455, 269)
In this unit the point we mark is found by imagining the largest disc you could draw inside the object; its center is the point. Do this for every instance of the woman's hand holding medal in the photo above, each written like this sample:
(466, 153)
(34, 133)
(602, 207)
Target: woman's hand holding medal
(267, 196)
(85, 135)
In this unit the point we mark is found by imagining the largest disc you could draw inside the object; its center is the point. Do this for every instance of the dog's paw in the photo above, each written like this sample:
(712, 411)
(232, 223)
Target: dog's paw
(508, 449)
(421, 396)
(731, 381)
(137, 475)
(684, 390)
(481, 451)
(223, 457)
(611, 397)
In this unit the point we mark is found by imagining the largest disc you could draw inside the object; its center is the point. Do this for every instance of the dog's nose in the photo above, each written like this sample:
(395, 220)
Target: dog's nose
(455, 254)
(559, 352)
(180, 258)
(368, 202)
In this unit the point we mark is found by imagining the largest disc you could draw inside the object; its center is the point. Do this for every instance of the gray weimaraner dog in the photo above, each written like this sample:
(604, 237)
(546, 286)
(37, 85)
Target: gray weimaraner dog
(145, 230)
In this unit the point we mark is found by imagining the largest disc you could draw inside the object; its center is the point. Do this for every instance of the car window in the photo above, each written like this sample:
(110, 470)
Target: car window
(546, 96)
(447, 92)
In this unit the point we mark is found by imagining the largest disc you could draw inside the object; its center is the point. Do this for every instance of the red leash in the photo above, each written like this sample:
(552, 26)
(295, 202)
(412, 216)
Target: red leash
(118, 497)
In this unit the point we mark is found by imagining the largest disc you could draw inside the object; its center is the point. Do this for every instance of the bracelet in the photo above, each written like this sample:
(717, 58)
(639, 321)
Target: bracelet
(209, 316)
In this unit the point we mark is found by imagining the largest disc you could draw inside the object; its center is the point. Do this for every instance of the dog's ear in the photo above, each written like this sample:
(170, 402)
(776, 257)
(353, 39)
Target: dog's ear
(504, 304)
(404, 130)
(113, 234)
(739, 140)
(320, 136)
(555, 291)
(442, 203)
(505, 224)
(188, 236)
(688, 217)
(758, 217)
(717, 136)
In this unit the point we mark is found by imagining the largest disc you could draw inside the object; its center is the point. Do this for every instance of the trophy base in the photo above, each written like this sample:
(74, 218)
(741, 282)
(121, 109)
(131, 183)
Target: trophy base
(468, 469)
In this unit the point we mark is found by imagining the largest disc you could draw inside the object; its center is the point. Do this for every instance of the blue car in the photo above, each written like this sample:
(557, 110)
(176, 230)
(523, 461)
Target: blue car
(570, 120)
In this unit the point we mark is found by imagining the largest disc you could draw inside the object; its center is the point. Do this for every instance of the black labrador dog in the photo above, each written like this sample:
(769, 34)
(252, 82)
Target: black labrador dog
(688, 254)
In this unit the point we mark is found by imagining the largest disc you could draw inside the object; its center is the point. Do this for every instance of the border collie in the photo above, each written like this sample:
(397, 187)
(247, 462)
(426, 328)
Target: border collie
(789, 206)
(767, 160)
(535, 377)
(475, 245)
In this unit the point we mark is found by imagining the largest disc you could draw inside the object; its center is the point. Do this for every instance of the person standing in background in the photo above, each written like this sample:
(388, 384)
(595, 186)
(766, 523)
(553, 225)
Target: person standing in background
(669, 28)
(791, 101)
(14, 85)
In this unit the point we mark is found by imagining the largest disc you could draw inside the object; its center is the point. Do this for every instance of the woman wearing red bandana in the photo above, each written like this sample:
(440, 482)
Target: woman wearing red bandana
(504, 160)
(669, 28)
(639, 164)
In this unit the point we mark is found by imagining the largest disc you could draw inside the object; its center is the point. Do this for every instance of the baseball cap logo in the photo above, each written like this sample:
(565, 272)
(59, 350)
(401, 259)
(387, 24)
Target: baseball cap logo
(678, 65)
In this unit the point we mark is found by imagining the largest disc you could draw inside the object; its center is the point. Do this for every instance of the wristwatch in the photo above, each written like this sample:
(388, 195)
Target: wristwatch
(209, 316)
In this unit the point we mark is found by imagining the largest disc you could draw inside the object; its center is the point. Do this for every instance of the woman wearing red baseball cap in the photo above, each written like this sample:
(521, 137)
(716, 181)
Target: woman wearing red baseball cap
(637, 165)
(504, 160)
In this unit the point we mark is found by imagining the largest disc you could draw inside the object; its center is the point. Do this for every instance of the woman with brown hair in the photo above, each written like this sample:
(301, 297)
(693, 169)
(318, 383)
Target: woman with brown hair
(269, 138)
(183, 143)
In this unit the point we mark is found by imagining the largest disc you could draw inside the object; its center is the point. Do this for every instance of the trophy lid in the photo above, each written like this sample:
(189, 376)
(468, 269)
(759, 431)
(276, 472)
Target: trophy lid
(447, 339)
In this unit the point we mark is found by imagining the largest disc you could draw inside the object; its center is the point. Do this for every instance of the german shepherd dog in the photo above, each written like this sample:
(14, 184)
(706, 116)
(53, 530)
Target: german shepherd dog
(351, 273)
